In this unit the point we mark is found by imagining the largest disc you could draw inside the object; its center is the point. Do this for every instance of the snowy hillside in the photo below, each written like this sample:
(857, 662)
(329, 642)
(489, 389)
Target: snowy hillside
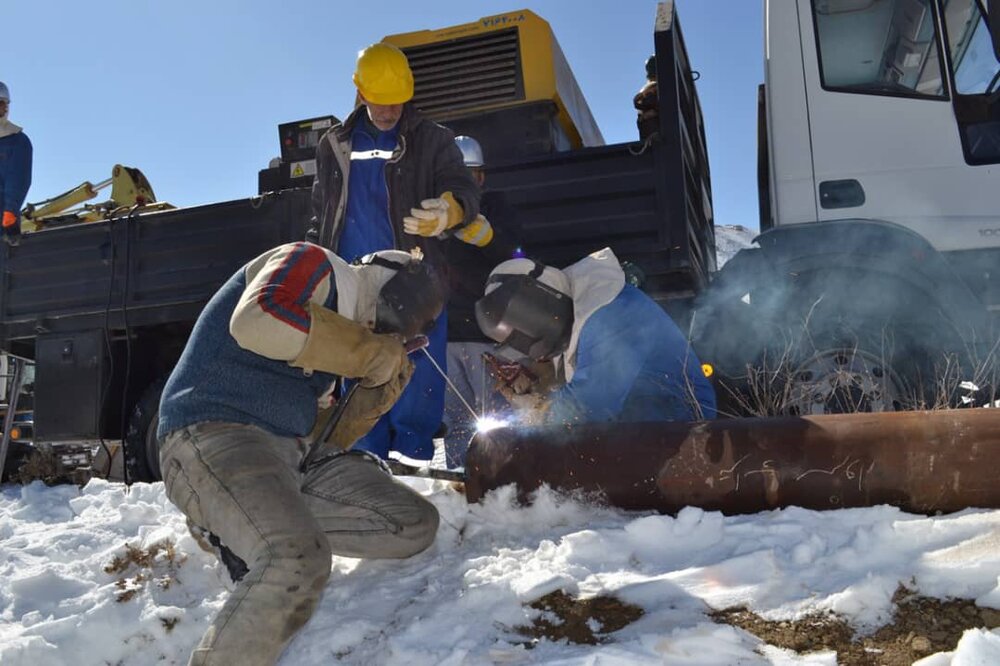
(105, 576)
(730, 239)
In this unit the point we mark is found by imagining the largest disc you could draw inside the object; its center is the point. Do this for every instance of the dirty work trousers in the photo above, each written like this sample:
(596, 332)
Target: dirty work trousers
(243, 484)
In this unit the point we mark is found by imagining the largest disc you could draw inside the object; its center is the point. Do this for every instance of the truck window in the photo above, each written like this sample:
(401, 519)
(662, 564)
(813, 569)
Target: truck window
(879, 47)
(971, 49)
(976, 75)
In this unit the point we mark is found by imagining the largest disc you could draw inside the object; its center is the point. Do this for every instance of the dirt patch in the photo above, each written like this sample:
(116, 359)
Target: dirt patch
(137, 567)
(920, 626)
(587, 621)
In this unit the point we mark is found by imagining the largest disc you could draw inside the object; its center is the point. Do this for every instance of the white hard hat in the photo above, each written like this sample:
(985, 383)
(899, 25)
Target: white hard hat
(4, 93)
(547, 275)
(472, 152)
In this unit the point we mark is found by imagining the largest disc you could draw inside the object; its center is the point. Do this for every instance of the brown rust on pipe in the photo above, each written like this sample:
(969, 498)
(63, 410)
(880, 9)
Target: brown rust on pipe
(922, 462)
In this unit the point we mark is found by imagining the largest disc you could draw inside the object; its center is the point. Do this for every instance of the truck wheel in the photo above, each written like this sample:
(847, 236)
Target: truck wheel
(844, 379)
(865, 364)
(142, 451)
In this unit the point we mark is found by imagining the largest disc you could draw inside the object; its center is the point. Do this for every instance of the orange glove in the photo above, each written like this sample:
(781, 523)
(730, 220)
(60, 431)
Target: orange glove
(11, 228)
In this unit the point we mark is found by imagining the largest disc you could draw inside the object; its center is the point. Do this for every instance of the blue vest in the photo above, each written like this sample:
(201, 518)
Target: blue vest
(217, 380)
(367, 227)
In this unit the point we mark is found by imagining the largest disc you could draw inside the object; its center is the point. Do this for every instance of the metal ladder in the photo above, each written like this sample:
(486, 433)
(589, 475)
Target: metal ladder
(12, 400)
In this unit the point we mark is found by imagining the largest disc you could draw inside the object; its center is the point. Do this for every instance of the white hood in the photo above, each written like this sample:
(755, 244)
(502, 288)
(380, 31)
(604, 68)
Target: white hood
(358, 286)
(7, 128)
(595, 281)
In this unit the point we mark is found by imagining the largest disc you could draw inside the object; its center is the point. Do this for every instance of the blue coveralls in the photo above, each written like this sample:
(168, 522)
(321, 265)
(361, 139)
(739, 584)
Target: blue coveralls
(633, 364)
(410, 425)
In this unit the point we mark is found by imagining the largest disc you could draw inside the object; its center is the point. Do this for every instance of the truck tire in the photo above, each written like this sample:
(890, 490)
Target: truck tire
(845, 355)
(142, 451)
(848, 373)
(824, 342)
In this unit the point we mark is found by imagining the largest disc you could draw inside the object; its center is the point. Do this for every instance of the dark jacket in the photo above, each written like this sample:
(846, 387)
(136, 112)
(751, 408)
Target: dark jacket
(15, 171)
(425, 164)
(468, 266)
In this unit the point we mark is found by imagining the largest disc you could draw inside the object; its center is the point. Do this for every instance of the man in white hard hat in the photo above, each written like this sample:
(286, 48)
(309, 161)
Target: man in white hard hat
(493, 237)
(15, 170)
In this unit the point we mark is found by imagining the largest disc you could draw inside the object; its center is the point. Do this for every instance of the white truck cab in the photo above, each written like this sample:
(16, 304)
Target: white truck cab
(876, 284)
(886, 110)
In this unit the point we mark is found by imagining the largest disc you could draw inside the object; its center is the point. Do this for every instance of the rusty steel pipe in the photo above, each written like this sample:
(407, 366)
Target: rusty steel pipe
(922, 462)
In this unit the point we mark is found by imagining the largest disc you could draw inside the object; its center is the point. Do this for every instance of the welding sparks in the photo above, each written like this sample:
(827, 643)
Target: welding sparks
(487, 423)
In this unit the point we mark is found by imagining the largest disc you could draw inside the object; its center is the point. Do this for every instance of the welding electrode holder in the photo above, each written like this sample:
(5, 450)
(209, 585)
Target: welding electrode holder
(412, 345)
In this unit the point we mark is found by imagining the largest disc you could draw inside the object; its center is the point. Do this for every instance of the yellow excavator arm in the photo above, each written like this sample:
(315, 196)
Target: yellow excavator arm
(129, 187)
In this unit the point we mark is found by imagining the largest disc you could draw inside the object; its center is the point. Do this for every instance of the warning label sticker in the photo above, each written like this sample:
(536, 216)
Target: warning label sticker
(303, 168)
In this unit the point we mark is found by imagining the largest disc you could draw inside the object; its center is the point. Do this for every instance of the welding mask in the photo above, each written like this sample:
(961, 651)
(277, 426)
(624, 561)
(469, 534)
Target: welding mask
(411, 300)
(525, 314)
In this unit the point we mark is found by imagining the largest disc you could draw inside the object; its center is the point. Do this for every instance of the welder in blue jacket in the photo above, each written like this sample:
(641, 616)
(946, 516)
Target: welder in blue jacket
(387, 178)
(617, 355)
(15, 170)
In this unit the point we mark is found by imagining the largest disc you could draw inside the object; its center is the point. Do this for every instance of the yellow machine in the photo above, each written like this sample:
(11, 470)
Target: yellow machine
(498, 62)
(129, 188)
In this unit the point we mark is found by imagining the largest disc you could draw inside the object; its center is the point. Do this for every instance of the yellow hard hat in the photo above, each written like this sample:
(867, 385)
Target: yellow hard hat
(383, 75)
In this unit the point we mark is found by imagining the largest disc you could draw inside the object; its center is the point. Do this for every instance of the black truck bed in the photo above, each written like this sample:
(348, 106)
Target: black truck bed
(75, 278)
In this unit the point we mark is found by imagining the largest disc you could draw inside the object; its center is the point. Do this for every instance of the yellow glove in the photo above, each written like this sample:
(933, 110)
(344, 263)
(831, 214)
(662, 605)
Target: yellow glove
(479, 232)
(434, 216)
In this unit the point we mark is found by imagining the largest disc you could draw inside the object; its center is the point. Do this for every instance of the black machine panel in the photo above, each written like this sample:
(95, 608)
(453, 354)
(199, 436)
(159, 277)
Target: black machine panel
(70, 370)
(299, 139)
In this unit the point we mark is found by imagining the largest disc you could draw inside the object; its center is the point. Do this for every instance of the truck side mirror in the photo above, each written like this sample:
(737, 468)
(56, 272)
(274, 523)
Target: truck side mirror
(993, 20)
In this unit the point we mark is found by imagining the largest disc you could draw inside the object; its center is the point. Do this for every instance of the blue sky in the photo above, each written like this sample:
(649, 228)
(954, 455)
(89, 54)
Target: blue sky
(192, 92)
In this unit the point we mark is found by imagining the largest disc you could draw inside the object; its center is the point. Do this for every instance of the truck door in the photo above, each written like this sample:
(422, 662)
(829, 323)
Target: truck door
(898, 99)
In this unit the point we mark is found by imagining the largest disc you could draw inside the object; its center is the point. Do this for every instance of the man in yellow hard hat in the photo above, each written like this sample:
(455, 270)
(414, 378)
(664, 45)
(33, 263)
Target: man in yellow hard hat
(388, 178)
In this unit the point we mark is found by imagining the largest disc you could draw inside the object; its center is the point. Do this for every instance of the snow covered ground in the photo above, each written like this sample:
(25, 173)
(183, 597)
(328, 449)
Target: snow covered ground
(101, 575)
(461, 601)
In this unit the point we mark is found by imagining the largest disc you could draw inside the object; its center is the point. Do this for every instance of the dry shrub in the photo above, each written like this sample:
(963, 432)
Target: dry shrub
(157, 564)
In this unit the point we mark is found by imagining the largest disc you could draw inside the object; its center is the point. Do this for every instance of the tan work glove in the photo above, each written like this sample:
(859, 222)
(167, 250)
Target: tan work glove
(344, 347)
(364, 410)
(479, 232)
(434, 216)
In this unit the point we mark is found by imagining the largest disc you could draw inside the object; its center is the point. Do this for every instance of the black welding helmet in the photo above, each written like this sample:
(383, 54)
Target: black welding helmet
(412, 297)
(525, 311)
